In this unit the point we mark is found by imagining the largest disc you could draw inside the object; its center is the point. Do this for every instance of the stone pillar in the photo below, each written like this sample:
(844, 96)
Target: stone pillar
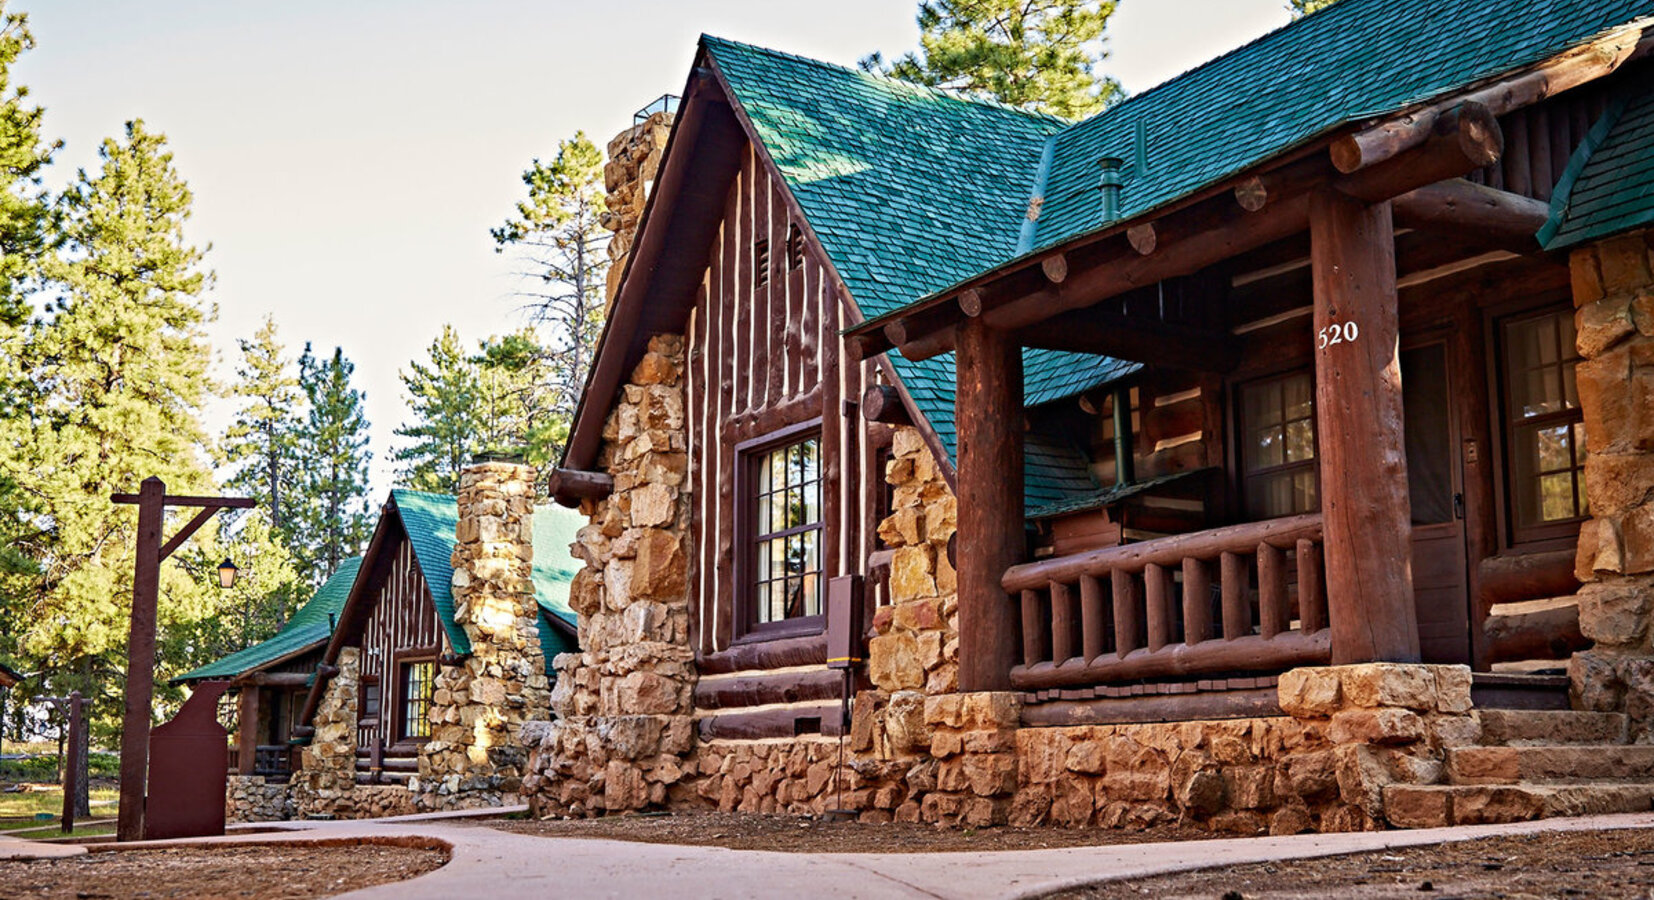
(327, 765)
(916, 646)
(476, 756)
(624, 704)
(1613, 285)
(634, 158)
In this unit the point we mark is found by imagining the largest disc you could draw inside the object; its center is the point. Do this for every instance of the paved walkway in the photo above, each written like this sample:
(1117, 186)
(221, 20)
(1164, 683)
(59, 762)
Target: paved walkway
(496, 865)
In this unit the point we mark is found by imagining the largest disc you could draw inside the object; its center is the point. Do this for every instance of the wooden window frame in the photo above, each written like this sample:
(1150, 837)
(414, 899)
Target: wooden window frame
(1559, 535)
(363, 720)
(747, 627)
(1240, 434)
(401, 664)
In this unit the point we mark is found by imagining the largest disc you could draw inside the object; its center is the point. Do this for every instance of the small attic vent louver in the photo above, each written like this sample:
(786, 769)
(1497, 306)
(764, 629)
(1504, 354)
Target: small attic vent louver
(760, 265)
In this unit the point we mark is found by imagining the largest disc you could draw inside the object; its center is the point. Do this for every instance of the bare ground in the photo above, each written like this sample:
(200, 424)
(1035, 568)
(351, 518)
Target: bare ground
(241, 872)
(804, 834)
(1607, 864)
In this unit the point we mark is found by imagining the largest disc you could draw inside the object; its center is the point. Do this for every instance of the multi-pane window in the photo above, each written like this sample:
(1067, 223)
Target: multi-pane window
(418, 683)
(786, 532)
(1545, 434)
(1278, 446)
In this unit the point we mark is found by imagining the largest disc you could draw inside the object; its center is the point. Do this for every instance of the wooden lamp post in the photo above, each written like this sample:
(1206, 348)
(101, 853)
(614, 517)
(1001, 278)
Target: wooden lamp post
(152, 501)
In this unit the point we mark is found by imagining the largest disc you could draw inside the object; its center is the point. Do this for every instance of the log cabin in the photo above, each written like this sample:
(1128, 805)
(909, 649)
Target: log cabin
(1268, 451)
(375, 636)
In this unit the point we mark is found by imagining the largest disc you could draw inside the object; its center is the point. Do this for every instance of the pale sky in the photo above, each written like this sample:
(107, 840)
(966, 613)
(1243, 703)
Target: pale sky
(348, 158)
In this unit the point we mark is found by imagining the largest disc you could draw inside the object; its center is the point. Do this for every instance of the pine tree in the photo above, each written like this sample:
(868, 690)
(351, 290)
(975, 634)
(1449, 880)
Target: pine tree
(331, 518)
(1301, 8)
(261, 441)
(559, 237)
(119, 364)
(445, 397)
(24, 233)
(518, 413)
(1033, 54)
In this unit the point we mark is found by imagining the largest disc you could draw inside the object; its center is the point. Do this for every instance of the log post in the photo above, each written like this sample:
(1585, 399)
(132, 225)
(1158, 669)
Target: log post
(988, 410)
(140, 661)
(247, 729)
(1362, 455)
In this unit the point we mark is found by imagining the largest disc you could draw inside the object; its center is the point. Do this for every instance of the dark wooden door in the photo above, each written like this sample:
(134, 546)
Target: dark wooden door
(1435, 485)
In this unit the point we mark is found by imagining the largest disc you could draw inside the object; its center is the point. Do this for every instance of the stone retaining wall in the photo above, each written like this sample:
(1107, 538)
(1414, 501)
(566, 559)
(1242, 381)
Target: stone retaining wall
(251, 798)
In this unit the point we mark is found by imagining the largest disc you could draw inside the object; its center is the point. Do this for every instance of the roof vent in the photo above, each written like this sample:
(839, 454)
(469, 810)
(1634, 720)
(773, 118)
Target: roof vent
(1113, 178)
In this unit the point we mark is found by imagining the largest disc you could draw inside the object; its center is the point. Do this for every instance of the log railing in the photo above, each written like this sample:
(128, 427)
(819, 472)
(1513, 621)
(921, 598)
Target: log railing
(275, 759)
(1242, 598)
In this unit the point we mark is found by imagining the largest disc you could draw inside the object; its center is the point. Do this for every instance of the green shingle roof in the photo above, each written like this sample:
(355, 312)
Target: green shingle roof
(914, 190)
(1608, 186)
(309, 628)
(429, 520)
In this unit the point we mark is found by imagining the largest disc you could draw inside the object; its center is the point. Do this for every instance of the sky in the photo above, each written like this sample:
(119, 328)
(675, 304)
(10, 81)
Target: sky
(348, 157)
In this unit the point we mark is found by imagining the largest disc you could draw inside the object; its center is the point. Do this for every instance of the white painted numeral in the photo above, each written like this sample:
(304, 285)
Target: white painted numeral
(1339, 333)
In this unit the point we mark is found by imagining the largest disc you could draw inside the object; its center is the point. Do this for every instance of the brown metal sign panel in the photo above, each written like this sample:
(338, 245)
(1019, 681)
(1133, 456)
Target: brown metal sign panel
(189, 763)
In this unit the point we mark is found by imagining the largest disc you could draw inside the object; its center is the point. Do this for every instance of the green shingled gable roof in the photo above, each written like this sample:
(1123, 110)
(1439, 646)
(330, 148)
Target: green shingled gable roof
(1609, 183)
(913, 190)
(309, 628)
(910, 189)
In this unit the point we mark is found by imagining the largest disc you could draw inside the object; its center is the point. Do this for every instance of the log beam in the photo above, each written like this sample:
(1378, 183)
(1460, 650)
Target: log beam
(1137, 339)
(988, 409)
(570, 486)
(1362, 459)
(1463, 208)
(1463, 140)
(883, 403)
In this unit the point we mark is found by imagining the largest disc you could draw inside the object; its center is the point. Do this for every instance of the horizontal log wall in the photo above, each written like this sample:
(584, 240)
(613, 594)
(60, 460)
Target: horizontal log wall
(764, 353)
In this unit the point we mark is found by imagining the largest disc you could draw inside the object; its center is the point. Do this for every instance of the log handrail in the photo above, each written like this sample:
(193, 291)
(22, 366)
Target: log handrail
(1112, 614)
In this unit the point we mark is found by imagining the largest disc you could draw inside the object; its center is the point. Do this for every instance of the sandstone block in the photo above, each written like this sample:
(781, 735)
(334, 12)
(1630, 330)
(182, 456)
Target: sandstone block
(1615, 613)
(1310, 692)
(1389, 684)
(1386, 725)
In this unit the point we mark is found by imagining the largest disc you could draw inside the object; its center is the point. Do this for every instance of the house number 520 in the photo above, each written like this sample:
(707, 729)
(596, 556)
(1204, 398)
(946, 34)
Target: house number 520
(1339, 333)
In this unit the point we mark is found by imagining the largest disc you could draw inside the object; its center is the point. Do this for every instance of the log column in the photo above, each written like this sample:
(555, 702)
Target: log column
(988, 415)
(247, 729)
(1363, 463)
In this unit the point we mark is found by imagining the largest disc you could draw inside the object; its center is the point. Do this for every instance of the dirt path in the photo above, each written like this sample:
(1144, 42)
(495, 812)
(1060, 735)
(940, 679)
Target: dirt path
(242, 872)
(1607, 864)
(802, 834)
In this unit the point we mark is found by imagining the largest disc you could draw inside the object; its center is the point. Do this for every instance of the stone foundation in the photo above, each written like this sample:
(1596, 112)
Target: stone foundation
(1613, 285)
(327, 765)
(250, 798)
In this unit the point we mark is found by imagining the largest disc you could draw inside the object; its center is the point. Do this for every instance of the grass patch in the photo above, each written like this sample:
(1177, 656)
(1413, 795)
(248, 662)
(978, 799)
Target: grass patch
(43, 767)
(19, 810)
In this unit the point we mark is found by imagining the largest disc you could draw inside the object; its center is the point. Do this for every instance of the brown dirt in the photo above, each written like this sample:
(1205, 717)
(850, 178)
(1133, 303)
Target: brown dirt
(803, 834)
(244, 872)
(1608, 864)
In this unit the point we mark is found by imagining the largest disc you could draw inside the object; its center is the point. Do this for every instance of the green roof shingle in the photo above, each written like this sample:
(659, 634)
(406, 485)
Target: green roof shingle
(913, 190)
(1609, 183)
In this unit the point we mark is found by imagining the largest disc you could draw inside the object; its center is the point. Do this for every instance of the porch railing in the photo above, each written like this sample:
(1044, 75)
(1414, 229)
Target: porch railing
(1242, 598)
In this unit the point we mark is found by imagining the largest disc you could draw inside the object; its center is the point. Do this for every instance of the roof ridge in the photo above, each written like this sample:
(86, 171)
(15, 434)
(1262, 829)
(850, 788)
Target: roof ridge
(944, 93)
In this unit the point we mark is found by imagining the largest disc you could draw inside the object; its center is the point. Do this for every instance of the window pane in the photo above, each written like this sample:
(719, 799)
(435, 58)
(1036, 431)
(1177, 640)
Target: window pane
(1267, 450)
(1298, 397)
(1262, 404)
(1300, 441)
(1556, 494)
(1303, 492)
(785, 574)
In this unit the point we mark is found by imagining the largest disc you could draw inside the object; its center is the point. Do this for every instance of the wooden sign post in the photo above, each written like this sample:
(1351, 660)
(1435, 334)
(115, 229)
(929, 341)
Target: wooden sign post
(152, 501)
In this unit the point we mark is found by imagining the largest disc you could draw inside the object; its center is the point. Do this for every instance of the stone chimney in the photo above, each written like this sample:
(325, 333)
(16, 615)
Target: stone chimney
(634, 159)
(475, 756)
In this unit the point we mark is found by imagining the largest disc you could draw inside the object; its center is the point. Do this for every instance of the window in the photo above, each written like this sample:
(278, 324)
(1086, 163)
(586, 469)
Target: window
(1544, 428)
(368, 709)
(785, 532)
(418, 682)
(1277, 432)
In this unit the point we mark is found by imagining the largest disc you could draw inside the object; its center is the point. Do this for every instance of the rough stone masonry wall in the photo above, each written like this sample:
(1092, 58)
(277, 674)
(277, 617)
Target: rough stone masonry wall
(325, 784)
(1613, 285)
(475, 756)
(916, 646)
(625, 730)
(634, 159)
(253, 798)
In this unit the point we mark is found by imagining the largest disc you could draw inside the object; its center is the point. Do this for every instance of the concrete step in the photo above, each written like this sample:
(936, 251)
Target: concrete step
(1517, 727)
(1430, 806)
(1550, 764)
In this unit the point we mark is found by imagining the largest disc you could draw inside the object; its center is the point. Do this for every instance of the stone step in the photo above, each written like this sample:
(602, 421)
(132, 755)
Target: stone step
(1430, 806)
(1550, 763)
(1516, 727)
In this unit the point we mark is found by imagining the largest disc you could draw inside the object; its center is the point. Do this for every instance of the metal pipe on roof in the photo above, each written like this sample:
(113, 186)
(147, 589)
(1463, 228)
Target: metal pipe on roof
(1113, 180)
